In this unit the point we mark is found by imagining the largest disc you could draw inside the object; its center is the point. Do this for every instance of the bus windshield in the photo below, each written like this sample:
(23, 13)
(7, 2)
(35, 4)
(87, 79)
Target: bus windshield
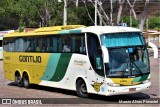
(128, 54)
(127, 61)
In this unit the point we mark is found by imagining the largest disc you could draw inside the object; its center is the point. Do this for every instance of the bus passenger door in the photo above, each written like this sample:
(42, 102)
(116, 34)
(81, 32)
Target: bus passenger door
(99, 69)
(96, 61)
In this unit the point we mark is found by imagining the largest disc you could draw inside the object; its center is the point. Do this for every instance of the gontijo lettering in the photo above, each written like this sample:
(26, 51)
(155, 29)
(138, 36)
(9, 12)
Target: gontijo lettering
(26, 58)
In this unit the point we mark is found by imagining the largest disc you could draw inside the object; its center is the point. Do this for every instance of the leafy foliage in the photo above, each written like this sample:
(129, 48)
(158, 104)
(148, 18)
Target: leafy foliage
(35, 13)
(154, 23)
(127, 20)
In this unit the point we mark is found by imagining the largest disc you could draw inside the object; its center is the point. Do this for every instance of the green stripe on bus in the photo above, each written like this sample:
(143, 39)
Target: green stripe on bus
(75, 31)
(137, 79)
(69, 31)
(61, 67)
(63, 32)
(51, 66)
(144, 77)
(141, 78)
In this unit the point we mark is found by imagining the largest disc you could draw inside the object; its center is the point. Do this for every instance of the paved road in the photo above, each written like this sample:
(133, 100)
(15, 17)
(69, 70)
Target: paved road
(62, 97)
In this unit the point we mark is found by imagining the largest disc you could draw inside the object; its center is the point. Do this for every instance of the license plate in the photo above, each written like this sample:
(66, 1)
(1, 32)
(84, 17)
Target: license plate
(132, 89)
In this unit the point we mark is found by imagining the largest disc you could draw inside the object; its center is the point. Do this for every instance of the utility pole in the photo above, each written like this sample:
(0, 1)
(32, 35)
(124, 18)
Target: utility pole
(95, 13)
(65, 13)
(77, 3)
(111, 13)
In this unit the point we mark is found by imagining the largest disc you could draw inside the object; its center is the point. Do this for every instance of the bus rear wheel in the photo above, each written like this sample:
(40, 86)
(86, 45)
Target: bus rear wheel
(26, 80)
(81, 88)
(18, 80)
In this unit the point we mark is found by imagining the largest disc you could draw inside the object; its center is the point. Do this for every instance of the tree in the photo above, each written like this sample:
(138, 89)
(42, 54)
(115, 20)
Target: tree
(35, 13)
(121, 3)
(154, 23)
(26, 12)
(8, 19)
(144, 15)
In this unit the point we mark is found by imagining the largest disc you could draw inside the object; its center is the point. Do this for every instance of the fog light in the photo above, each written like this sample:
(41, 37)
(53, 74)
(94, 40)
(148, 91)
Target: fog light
(113, 84)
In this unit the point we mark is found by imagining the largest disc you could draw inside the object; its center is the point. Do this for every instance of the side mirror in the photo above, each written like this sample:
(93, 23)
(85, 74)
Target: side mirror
(105, 55)
(155, 49)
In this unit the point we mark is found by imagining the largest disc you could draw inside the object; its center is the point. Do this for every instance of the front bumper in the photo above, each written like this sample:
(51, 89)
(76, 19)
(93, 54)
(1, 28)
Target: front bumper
(127, 89)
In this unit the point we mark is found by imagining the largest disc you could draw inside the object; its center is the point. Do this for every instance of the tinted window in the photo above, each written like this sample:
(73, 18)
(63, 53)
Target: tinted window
(74, 43)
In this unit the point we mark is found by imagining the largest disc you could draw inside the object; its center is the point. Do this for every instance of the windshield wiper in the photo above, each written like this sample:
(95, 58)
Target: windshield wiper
(137, 68)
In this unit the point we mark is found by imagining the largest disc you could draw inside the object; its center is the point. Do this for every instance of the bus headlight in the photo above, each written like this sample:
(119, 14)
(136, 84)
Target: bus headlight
(146, 81)
(113, 84)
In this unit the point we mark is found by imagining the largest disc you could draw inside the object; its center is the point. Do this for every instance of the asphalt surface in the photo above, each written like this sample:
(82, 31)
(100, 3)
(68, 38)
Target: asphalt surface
(59, 97)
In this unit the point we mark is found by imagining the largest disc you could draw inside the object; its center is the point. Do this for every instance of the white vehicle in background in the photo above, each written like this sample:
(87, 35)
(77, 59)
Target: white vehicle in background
(1, 39)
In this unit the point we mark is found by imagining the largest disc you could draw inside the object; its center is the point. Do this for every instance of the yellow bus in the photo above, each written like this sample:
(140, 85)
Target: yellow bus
(104, 60)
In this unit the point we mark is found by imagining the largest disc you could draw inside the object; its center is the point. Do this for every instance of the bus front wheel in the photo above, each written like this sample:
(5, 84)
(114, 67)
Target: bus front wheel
(26, 80)
(81, 88)
(18, 80)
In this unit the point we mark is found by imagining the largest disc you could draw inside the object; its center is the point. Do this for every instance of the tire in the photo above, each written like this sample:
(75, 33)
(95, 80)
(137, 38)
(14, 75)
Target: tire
(81, 89)
(26, 80)
(18, 80)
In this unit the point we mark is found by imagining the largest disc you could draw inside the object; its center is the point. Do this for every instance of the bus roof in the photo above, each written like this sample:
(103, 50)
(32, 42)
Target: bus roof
(109, 29)
(47, 31)
(68, 29)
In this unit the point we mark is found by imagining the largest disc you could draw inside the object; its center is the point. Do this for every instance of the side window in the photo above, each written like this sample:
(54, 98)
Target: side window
(6, 44)
(43, 44)
(27, 45)
(16, 45)
(60, 44)
(19, 45)
(54, 44)
(32, 45)
(38, 44)
(66, 43)
(82, 48)
(78, 43)
(11, 45)
(74, 43)
(48, 44)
